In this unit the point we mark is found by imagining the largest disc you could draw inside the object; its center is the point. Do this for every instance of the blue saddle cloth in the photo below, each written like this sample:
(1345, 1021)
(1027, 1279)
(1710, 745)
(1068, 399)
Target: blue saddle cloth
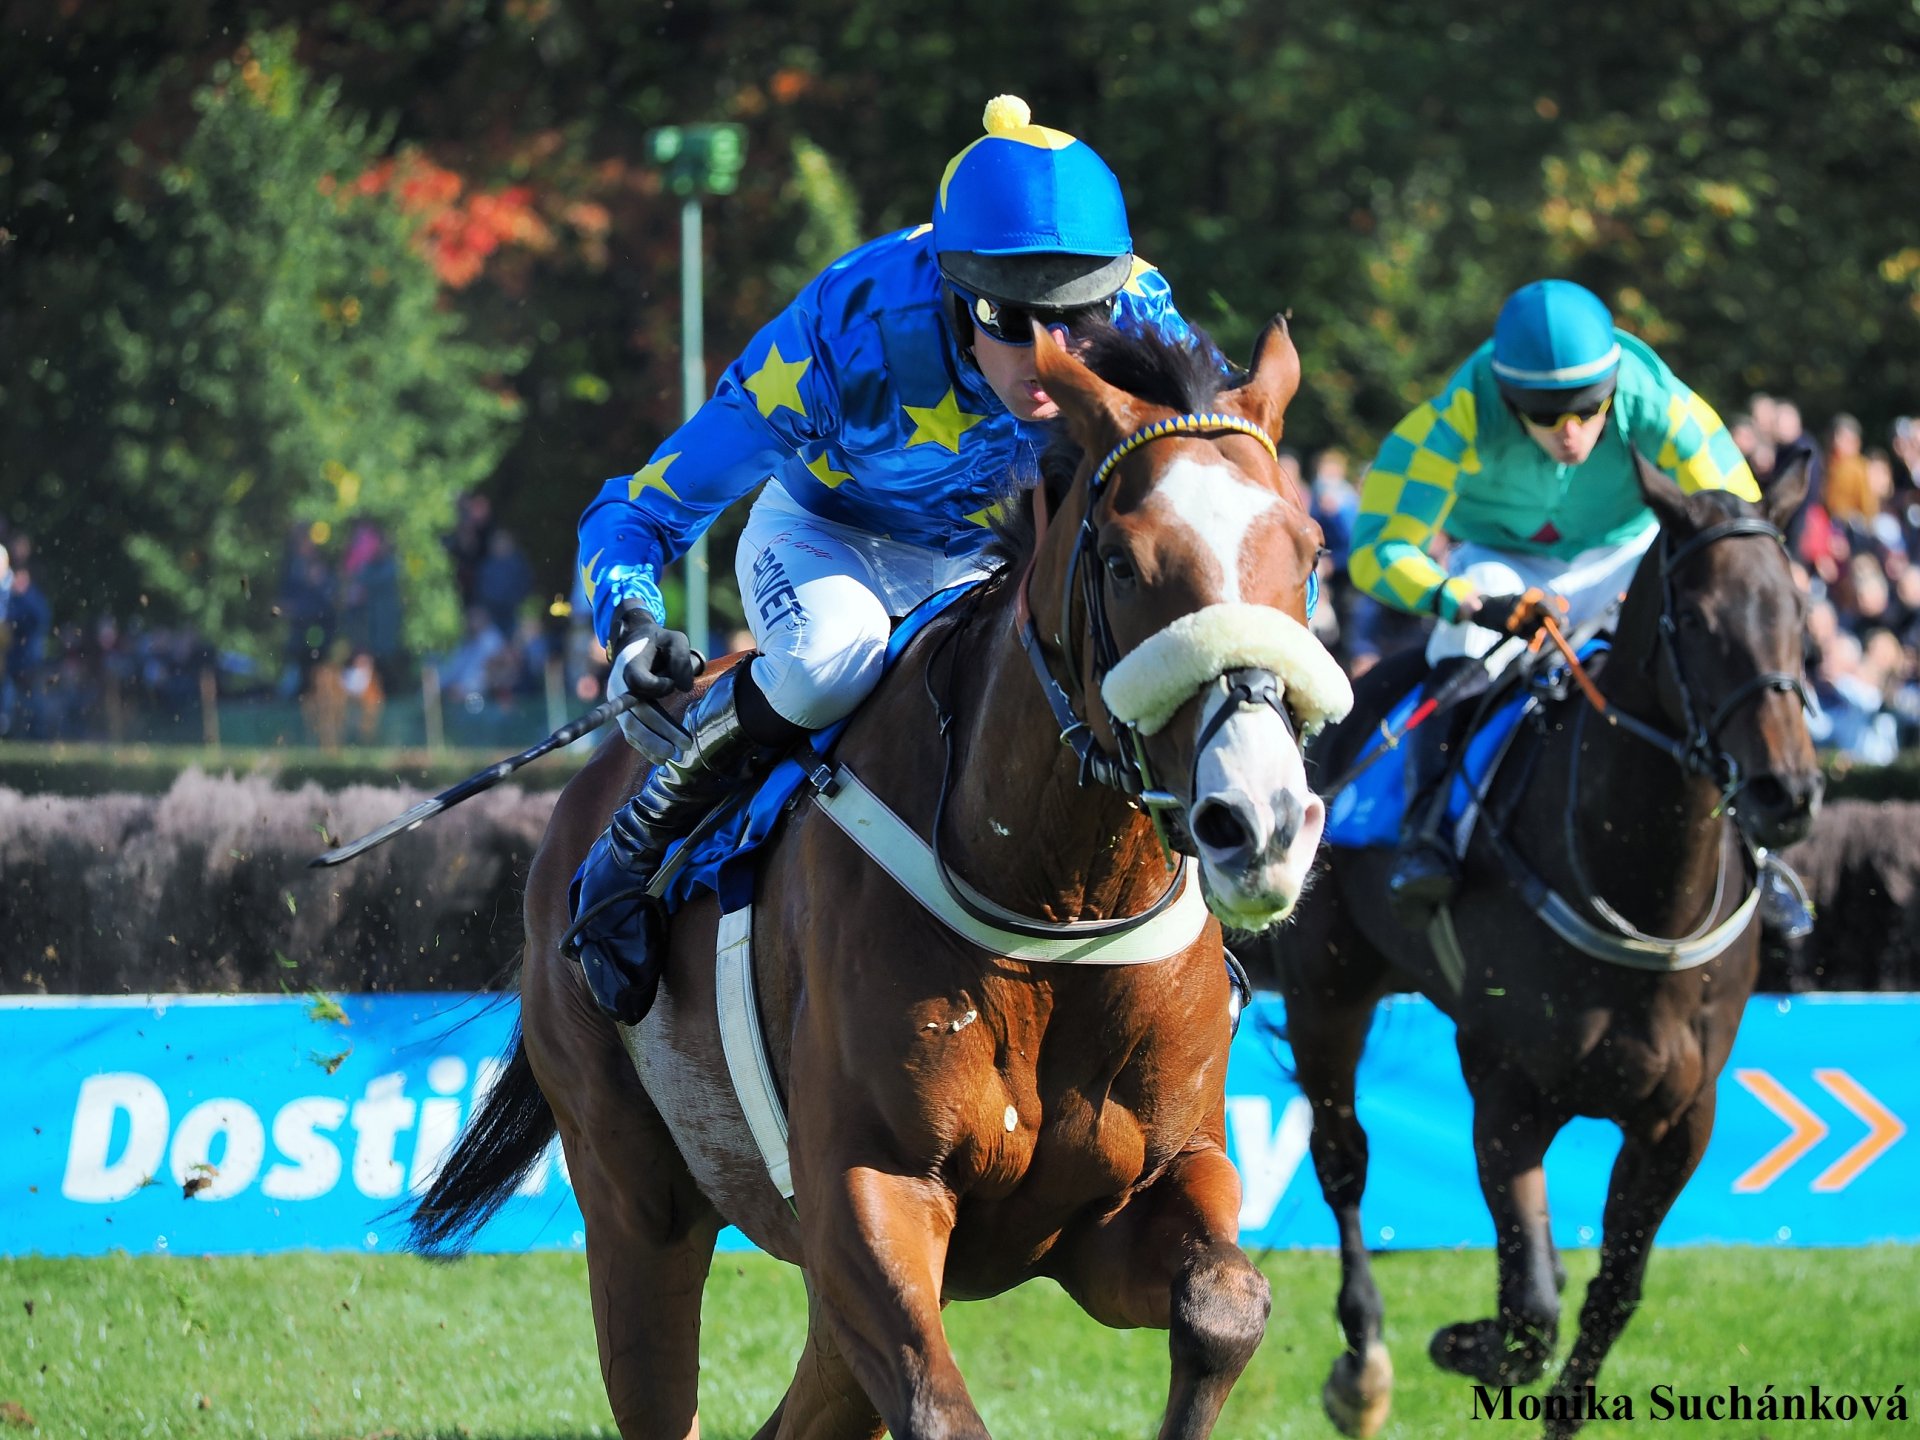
(722, 861)
(1368, 812)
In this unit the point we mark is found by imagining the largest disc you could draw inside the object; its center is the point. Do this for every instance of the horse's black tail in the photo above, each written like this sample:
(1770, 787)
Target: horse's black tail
(502, 1142)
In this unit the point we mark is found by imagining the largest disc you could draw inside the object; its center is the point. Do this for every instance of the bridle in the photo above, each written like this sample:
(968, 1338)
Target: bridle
(1130, 772)
(1698, 751)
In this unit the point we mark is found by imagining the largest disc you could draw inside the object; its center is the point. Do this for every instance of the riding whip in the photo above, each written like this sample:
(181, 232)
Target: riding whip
(486, 779)
(1442, 699)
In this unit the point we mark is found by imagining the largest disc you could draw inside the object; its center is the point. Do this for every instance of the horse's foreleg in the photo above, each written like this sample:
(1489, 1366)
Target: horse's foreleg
(1512, 1126)
(1168, 1259)
(1647, 1178)
(876, 1248)
(825, 1401)
(1328, 1033)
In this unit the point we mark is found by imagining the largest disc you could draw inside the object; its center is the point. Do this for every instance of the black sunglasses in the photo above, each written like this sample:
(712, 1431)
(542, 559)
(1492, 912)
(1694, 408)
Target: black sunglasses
(1013, 324)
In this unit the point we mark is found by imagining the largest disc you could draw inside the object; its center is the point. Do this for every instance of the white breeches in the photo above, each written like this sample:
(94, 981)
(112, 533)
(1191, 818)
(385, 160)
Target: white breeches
(1592, 582)
(820, 598)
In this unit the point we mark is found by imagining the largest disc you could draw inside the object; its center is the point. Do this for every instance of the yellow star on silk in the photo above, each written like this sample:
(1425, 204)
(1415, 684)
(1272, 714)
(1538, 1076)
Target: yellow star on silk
(824, 472)
(653, 477)
(1140, 267)
(777, 383)
(587, 582)
(941, 424)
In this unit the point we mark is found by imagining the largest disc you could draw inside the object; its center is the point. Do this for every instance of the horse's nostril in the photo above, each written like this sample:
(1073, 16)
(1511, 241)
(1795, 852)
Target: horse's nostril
(1219, 827)
(1785, 796)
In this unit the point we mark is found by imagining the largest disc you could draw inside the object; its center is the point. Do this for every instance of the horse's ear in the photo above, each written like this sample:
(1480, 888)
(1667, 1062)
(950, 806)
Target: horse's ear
(1095, 411)
(1664, 494)
(1787, 488)
(1275, 378)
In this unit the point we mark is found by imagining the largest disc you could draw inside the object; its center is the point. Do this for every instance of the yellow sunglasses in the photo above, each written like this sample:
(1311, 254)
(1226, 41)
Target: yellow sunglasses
(1578, 417)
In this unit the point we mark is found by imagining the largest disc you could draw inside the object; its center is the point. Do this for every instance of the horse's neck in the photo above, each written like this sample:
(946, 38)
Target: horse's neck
(1018, 825)
(1651, 835)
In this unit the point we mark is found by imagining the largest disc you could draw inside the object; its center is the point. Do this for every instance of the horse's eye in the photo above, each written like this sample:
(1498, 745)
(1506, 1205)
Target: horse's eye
(1119, 566)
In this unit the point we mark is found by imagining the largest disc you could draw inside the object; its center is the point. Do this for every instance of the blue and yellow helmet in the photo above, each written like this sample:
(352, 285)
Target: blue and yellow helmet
(1555, 339)
(1026, 215)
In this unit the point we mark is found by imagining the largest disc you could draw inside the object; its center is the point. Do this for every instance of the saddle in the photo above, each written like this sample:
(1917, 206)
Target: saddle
(1367, 806)
(718, 857)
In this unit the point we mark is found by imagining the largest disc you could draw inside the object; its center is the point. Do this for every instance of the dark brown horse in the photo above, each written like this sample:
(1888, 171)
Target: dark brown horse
(960, 1121)
(1628, 818)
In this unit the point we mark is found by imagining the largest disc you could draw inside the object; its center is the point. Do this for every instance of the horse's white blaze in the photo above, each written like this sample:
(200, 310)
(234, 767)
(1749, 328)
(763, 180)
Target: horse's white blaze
(1212, 500)
(1259, 843)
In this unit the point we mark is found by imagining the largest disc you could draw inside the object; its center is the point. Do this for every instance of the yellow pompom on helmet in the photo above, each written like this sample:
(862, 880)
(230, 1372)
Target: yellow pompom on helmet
(1030, 216)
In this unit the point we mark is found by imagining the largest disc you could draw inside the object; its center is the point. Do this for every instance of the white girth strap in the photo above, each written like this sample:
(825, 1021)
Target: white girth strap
(1166, 670)
(745, 1047)
(897, 848)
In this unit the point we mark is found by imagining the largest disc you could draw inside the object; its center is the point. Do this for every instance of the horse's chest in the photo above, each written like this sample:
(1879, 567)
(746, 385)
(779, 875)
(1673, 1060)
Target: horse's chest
(1073, 1140)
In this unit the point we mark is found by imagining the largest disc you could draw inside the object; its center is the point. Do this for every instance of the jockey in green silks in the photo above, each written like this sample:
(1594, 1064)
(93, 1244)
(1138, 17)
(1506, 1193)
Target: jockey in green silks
(1526, 459)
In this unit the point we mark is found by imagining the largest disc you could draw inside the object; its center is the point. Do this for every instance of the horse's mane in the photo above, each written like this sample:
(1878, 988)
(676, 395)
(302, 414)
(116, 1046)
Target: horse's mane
(1176, 375)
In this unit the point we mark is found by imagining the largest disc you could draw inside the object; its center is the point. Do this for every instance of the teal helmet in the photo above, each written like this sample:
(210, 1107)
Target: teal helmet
(1030, 216)
(1554, 345)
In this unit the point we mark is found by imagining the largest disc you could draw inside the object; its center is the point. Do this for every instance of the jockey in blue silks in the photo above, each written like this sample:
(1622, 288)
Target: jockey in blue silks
(888, 409)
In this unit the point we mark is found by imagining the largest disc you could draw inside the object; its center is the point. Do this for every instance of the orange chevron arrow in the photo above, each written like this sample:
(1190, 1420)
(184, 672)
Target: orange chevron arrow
(1808, 1131)
(1883, 1129)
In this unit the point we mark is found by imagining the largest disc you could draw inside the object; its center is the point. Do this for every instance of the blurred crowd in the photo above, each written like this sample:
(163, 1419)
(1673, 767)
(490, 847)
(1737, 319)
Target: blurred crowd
(67, 675)
(73, 676)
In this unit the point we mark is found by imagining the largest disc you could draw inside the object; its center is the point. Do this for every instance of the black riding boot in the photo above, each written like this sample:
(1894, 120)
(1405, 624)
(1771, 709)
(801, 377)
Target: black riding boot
(619, 932)
(1426, 873)
(1785, 912)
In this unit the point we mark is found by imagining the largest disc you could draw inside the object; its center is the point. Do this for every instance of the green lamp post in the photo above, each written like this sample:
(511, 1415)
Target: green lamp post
(697, 160)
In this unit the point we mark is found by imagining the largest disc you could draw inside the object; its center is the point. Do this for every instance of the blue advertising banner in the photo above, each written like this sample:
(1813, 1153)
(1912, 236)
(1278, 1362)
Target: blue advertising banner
(225, 1125)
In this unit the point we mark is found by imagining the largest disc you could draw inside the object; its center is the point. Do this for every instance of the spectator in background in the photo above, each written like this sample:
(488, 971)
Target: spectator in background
(1885, 531)
(366, 696)
(1849, 497)
(6, 630)
(370, 613)
(1334, 503)
(1756, 448)
(472, 529)
(503, 581)
(1862, 595)
(468, 671)
(29, 621)
(307, 604)
(1906, 453)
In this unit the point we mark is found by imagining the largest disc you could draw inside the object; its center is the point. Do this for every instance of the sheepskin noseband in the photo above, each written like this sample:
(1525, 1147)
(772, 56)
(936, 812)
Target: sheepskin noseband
(1168, 669)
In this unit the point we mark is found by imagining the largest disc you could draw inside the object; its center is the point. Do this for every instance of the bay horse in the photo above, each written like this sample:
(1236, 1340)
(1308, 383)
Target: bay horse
(1640, 818)
(960, 1120)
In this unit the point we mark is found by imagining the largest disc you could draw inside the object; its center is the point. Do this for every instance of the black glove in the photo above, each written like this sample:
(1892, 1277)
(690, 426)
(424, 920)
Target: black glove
(1520, 615)
(649, 659)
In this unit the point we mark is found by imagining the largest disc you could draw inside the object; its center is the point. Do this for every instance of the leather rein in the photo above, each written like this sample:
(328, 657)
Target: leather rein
(1697, 752)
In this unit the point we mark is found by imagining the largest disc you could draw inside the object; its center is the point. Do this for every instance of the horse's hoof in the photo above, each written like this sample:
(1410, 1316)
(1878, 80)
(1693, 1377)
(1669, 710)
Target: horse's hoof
(1359, 1390)
(1481, 1350)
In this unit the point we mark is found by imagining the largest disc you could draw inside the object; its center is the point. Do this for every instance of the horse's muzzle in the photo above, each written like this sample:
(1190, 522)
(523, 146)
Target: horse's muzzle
(1776, 809)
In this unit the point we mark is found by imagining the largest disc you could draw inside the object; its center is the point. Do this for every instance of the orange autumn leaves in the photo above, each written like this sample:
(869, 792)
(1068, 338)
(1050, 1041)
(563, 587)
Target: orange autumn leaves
(460, 230)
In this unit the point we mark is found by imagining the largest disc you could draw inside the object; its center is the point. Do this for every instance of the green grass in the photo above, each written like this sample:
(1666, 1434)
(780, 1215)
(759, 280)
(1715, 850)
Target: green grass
(501, 1348)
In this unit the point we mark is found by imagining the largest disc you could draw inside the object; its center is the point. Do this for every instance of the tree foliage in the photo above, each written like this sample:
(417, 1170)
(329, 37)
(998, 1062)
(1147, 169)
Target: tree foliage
(288, 362)
(1732, 175)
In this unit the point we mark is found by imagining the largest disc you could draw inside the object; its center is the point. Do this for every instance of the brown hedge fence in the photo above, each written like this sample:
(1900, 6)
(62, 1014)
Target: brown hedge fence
(205, 887)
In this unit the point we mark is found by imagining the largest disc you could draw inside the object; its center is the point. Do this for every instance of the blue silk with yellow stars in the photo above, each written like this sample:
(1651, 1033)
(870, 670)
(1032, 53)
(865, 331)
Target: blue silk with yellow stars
(858, 400)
